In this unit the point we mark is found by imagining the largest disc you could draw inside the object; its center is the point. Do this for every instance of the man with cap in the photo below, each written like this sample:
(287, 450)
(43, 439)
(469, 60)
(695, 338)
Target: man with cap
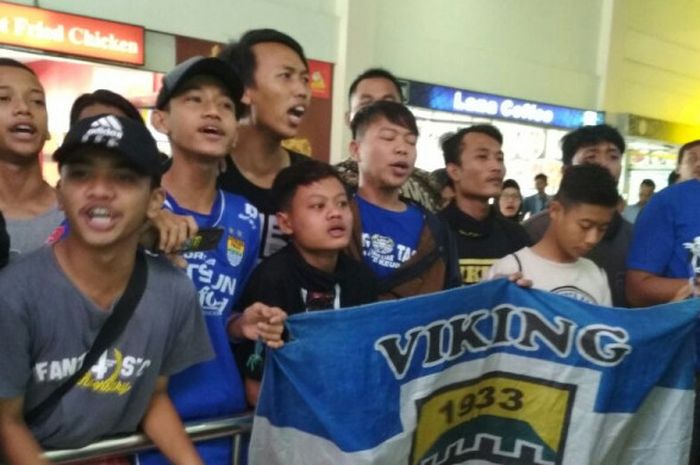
(196, 108)
(110, 176)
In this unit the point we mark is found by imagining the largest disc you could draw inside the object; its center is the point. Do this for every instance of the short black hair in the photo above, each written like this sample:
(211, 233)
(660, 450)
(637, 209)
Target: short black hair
(684, 147)
(12, 63)
(649, 183)
(104, 97)
(394, 112)
(239, 54)
(451, 143)
(586, 136)
(374, 73)
(300, 174)
(541, 176)
(587, 184)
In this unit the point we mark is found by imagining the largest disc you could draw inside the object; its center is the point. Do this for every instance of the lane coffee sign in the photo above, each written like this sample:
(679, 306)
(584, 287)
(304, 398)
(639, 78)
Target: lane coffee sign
(493, 106)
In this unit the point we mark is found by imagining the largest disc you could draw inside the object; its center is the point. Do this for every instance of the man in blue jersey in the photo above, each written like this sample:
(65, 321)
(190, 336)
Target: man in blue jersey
(659, 263)
(196, 109)
(372, 85)
(408, 248)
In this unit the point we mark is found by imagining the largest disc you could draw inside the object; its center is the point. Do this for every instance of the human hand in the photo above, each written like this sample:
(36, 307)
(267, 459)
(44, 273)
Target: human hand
(173, 230)
(687, 290)
(519, 279)
(260, 322)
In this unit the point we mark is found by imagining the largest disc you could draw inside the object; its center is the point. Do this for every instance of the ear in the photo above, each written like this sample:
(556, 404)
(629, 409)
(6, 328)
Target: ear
(453, 171)
(246, 96)
(284, 222)
(354, 147)
(556, 210)
(159, 120)
(155, 202)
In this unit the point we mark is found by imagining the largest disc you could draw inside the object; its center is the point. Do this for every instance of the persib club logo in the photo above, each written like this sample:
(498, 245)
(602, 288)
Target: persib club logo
(235, 248)
(497, 418)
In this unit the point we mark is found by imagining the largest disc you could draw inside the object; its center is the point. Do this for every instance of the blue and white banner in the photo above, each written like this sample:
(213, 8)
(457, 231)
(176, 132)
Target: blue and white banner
(486, 374)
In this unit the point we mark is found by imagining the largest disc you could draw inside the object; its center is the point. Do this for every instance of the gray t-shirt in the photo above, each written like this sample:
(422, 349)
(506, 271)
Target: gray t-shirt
(28, 235)
(47, 326)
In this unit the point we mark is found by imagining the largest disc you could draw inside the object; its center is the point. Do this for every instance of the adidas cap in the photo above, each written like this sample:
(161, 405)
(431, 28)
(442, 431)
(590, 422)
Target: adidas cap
(123, 136)
(196, 66)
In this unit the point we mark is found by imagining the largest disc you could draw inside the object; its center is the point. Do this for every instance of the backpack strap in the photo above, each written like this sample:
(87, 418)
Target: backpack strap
(109, 333)
(417, 268)
(517, 260)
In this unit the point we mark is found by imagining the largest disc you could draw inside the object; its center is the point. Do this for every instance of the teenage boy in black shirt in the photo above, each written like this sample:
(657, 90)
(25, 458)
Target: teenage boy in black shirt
(312, 272)
(277, 94)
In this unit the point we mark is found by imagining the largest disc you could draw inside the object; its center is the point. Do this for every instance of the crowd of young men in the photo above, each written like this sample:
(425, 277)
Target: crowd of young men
(262, 233)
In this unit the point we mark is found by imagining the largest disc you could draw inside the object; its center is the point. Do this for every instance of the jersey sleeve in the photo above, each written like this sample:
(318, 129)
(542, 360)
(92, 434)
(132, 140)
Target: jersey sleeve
(652, 241)
(191, 343)
(15, 348)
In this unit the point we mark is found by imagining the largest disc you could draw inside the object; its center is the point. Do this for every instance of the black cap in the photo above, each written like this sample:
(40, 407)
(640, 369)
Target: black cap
(123, 136)
(196, 66)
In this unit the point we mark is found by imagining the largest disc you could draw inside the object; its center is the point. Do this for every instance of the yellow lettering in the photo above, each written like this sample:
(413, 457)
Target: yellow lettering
(106, 386)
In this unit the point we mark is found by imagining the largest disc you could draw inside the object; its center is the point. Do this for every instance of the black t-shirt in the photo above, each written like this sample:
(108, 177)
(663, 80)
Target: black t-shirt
(481, 243)
(233, 181)
(287, 281)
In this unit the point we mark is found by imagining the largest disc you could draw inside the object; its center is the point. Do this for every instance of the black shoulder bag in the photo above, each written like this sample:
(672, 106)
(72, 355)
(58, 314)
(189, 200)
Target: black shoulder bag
(110, 331)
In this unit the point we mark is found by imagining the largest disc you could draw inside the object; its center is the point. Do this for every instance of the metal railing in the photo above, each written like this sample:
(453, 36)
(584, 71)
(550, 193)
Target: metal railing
(236, 427)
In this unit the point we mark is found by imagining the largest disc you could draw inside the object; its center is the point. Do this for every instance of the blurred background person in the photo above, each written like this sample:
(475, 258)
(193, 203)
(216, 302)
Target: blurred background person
(538, 201)
(103, 102)
(688, 161)
(443, 184)
(646, 190)
(672, 178)
(510, 202)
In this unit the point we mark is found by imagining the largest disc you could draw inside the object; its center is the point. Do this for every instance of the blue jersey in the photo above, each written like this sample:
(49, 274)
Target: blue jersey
(669, 220)
(389, 238)
(214, 388)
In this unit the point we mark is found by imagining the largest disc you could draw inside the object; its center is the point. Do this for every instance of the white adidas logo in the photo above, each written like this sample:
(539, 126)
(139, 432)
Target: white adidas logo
(106, 131)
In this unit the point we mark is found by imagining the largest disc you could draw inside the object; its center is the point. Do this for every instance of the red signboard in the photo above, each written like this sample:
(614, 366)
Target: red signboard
(321, 76)
(74, 35)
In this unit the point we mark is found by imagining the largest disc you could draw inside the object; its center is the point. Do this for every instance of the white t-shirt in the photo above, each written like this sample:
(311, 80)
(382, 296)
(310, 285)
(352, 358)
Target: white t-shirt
(582, 280)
